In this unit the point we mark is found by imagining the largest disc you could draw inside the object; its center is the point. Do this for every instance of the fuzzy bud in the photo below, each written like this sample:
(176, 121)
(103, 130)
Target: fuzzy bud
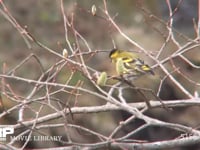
(120, 67)
(93, 10)
(65, 53)
(101, 81)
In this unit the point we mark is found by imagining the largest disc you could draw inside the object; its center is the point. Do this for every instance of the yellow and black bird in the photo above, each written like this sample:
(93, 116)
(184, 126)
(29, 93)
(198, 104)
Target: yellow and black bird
(132, 64)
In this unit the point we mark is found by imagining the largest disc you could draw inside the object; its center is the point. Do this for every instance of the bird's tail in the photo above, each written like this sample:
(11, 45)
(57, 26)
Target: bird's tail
(142, 67)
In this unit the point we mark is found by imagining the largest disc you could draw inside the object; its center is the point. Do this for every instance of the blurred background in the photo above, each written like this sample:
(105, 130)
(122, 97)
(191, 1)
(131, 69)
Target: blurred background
(44, 21)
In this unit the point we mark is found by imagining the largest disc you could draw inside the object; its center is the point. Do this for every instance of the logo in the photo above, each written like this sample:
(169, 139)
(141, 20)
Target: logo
(5, 130)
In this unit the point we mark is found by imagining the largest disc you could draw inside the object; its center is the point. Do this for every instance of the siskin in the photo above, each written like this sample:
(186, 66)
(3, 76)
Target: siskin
(132, 64)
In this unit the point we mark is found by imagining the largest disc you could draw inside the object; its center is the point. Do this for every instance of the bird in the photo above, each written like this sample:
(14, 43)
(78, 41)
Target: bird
(129, 62)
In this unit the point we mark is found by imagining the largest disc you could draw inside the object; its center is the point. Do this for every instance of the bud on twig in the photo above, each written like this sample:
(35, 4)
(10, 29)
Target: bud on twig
(101, 81)
(65, 53)
(94, 10)
(120, 67)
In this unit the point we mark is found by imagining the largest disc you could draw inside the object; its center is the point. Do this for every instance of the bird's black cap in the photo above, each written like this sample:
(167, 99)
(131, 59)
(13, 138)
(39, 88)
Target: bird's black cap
(112, 52)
